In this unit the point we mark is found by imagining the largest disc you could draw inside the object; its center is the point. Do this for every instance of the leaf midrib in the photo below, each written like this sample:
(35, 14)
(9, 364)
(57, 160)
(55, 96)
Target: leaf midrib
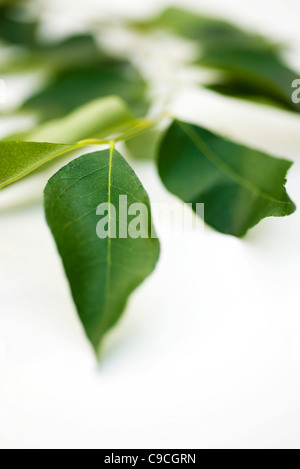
(108, 256)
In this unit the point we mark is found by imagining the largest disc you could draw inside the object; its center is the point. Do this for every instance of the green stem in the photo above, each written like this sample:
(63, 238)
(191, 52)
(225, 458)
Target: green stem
(142, 126)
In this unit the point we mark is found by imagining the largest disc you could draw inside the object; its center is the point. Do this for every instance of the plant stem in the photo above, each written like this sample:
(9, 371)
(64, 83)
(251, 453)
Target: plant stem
(141, 126)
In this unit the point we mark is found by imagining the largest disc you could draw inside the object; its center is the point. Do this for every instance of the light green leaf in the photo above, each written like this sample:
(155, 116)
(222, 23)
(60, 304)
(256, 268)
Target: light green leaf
(18, 159)
(102, 272)
(97, 122)
(144, 146)
(238, 185)
(99, 119)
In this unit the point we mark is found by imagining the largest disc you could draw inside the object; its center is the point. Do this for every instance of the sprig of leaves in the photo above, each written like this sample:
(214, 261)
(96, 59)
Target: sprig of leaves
(238, 185)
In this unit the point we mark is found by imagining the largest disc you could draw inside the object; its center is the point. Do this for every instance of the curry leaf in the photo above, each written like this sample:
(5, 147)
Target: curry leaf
(238, 185)
(262, 72)
(102, 272)
(233, 87)
(77, 68)
(97, 119)
(144, 146)
(77, 51)
(16, 31)
(248, 59)
(17, 159)
(211, 32)
(105, 118)
(75, 86)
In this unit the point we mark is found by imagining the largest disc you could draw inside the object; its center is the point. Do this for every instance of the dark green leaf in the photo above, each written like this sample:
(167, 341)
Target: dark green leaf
(248, 59)
(236, 89)
(12, 28)
(79, 71)
(75, 87)
(102, 272)
(23, 32)
(238, 185)
(262, 72)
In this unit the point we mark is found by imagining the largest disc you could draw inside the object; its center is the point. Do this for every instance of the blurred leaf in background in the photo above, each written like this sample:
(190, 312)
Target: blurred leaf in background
(77, 70)
(146, 145)
(13, 28)
(71, 88)
(211, 32)
(104, 118)
(249, 61)
(263, 73)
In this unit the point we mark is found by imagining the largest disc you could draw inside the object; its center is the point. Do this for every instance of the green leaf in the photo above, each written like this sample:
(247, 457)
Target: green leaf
(76, 51)
(238, 185)
(18, 159)
(18, 29)
(211, 32)
(248, 59)
(15, 30)
(102, 272)
(99, 119)
(237, 89)
(102, 119)
(262, 72)
(68, 89)
(144, 146)
(77, 68)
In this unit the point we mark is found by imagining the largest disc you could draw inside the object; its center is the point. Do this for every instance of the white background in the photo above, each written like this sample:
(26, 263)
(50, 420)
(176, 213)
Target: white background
(208, 352)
